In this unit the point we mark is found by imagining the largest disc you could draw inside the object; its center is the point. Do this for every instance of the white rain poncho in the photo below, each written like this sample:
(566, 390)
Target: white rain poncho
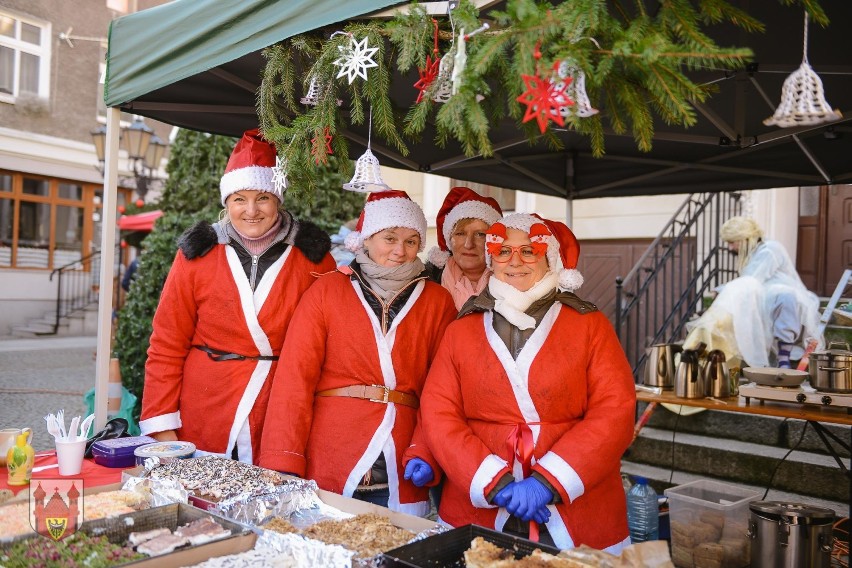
(745, 318)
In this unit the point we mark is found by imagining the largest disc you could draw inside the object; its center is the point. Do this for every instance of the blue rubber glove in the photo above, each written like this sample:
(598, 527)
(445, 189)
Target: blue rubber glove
(526, 499)
(419, 472)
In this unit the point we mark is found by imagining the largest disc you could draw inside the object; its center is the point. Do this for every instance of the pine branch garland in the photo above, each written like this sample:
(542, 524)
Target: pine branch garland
(635, 61)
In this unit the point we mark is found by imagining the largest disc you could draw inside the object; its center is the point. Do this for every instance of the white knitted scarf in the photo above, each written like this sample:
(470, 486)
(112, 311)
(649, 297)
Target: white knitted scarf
(511, 303)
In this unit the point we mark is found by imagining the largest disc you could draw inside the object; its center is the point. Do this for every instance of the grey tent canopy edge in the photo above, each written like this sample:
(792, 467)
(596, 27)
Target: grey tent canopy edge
(157, 47)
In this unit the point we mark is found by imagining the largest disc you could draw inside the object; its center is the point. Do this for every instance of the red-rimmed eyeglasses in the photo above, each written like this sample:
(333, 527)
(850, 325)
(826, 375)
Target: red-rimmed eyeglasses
(526, 253)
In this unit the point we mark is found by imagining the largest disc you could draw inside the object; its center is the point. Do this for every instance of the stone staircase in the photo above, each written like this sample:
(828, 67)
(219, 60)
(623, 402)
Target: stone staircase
(83, 322)
(744, 450)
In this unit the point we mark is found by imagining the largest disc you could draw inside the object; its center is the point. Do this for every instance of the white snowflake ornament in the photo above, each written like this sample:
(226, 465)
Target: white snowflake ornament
(355, 59)
(279, 176)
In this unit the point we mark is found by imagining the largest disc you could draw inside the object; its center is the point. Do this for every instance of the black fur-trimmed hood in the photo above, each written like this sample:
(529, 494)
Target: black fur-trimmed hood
(199, 239)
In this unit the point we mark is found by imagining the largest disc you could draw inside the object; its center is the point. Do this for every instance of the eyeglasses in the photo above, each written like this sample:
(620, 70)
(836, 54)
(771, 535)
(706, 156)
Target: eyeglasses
(525, 252)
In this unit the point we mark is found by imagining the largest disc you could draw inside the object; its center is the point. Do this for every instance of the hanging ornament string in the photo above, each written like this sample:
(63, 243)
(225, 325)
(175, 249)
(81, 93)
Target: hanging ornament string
(355, 58)
(368, 174)
(460, 58)
(802, 96)
(444, 89)
(430, 71)
(544, 98)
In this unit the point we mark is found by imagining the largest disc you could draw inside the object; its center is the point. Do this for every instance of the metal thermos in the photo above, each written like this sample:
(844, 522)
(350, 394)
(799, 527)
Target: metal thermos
(789, 535)
(716, 376)
(660, 365)
(689, 378)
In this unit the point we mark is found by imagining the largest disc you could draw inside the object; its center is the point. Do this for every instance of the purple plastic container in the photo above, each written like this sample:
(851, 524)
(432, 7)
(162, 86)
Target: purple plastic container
(118, 452)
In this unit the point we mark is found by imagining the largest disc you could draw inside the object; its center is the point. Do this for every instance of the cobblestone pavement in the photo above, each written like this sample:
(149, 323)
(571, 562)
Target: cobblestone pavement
(40, 376)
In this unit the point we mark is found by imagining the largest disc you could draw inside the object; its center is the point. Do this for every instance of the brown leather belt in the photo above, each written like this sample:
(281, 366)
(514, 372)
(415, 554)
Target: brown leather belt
(374, 393)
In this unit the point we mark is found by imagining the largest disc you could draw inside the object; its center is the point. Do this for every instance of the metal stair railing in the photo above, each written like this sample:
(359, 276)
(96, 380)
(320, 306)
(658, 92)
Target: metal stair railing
(668, 284)
(77, 286)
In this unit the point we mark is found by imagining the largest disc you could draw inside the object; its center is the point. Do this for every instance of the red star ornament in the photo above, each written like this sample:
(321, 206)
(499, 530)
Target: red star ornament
(427, 75)
(544, 99)
(315, 148)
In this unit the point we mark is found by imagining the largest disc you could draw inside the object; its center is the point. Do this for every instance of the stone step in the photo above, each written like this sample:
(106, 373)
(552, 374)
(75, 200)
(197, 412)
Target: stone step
(662, 478)
(754, 428)
(805, 473)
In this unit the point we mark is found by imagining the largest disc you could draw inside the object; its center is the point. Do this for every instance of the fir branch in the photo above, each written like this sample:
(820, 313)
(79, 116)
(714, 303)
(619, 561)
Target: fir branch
(411, 33)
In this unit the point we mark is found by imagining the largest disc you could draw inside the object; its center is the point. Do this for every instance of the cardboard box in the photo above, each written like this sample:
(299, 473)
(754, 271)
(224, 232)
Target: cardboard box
(708, 522)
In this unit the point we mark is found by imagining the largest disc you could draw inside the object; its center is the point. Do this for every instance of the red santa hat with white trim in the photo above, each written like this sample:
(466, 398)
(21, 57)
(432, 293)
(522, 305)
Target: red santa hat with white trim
(461, 203)
(250, 166)
(563, 250)
(385, 210)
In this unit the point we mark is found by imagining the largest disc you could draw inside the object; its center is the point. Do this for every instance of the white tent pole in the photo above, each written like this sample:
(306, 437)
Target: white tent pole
(105, 307)
(569, 213)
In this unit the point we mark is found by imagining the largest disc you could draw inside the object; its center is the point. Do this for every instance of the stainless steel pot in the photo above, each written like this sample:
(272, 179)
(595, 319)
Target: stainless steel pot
(660, 365)
(831, 370)
(789, 535)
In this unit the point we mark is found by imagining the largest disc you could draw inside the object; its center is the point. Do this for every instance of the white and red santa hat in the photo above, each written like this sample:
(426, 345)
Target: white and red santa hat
(461, 203)
(250, 166)
(385, 210)
(563, 250)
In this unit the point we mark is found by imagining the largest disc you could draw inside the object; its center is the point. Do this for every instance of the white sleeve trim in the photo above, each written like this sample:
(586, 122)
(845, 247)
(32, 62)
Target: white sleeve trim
(488, 469)
(160, 423)
(564, 474)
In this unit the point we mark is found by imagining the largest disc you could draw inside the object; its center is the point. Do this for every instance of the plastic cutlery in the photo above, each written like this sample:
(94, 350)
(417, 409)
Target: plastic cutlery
(84, 427)
(60, 420)
(52, 427)
(72, 436)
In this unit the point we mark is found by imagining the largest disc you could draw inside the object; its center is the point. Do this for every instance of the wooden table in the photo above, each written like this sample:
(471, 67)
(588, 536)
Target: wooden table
(809, 412)
(813, 414)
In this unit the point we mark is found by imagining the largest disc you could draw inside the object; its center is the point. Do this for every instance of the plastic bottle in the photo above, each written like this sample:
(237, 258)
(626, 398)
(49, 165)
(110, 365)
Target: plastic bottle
(643, 512)
(19, 461)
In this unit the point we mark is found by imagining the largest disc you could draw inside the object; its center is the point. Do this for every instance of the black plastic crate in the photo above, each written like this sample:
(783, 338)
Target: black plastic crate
(447, 549)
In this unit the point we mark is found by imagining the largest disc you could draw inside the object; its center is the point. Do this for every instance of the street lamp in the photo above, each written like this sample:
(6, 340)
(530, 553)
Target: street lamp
(144, 148)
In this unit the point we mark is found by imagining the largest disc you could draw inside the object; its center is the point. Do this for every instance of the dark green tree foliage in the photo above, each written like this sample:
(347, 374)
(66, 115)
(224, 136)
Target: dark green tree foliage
(195, 167)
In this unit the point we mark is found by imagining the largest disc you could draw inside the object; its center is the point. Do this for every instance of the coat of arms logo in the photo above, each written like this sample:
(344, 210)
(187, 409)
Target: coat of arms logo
(56, 506)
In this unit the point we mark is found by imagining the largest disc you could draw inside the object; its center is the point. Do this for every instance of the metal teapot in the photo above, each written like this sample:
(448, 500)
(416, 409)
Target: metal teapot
(689, 377)
(716, 375)
(660, 365)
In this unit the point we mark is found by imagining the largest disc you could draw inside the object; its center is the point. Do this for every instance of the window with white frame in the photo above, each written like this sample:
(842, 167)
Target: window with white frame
(24, 57)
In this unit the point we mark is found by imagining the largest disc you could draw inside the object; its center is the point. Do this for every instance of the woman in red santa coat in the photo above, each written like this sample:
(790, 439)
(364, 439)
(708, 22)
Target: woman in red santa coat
(224, 310)
(458, 262)
(358, 350)
(529, 403)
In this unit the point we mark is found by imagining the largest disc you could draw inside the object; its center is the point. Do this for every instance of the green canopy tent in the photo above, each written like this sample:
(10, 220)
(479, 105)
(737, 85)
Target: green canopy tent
(197, 64)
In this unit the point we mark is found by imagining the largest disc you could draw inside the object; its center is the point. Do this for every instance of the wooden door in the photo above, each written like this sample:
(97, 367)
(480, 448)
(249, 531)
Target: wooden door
(838, 249)
(810, 257)
(824, 248)
(601, 261)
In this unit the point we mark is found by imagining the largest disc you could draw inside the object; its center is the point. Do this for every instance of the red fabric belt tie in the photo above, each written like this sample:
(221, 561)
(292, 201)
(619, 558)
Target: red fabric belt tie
(520, 444)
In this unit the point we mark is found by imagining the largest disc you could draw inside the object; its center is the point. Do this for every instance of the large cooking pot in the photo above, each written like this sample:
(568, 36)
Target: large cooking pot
(660, 365)
(831, 370)
(789, 535)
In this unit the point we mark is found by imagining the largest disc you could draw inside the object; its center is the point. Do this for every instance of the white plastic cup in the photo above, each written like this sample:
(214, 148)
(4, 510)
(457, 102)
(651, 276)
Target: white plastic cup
(70, 456)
